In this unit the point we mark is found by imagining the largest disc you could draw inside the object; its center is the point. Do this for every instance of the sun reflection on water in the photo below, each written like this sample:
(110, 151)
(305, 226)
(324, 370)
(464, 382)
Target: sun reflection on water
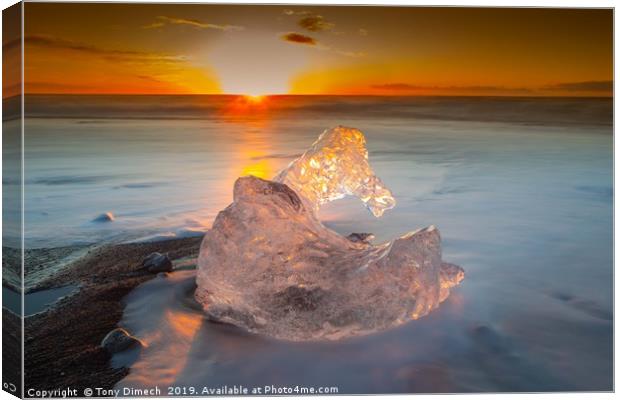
(247, 106)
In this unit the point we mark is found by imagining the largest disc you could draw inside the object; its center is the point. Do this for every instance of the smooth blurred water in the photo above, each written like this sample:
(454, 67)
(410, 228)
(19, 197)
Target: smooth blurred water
(521, 190)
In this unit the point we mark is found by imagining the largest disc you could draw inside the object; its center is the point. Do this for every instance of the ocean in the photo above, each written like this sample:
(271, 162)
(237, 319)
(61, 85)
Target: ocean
(521, 190)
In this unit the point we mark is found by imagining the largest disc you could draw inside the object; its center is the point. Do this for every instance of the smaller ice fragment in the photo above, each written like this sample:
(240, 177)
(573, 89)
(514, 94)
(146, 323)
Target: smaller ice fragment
(337, 165)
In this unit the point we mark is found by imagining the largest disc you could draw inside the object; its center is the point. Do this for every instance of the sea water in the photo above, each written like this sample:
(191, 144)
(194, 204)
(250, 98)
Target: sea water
(520, 189)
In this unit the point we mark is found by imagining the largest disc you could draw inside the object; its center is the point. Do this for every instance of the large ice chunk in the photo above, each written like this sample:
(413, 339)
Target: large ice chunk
(268, 264)
(337, 165)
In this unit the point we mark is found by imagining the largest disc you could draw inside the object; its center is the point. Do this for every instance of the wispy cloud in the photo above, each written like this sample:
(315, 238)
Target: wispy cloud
(315, 23)
(164, 20)
(407, 87)
(52, 42)
(603, 87)
(299, 13)
(299, 38)
(347, 53)
(12, 44)
(311, 21)
(395, 86)
(586, 86)
(154, 25)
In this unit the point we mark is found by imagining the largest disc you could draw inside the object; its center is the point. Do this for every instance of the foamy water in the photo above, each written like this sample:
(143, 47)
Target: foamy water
(521, 191)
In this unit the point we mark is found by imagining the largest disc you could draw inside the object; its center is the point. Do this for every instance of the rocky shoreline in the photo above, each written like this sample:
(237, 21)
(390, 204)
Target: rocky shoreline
(62, 344)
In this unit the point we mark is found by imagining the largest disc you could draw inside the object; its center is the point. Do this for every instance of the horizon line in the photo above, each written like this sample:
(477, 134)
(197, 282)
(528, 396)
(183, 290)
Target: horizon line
(611, 96)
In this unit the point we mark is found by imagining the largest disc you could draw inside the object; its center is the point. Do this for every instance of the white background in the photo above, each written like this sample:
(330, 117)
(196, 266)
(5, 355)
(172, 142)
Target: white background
(492, 3)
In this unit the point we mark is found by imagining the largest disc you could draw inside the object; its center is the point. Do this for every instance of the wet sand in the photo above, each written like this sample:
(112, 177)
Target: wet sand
(62, 344)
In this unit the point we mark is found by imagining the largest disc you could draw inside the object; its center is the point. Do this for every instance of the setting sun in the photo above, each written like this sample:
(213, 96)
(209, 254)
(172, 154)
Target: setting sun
(254, 98)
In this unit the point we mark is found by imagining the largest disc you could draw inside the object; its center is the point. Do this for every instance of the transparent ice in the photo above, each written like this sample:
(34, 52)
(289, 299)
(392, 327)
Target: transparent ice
(269, 265)
(336, 165)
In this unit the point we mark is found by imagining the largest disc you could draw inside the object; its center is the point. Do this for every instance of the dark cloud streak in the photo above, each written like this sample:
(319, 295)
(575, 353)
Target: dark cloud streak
(404, 87)
(299, 38)
(587, 86)
(51, 42)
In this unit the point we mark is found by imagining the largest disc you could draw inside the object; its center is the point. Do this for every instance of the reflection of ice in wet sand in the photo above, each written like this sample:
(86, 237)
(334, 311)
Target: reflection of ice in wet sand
(162, 315)
(443, 354)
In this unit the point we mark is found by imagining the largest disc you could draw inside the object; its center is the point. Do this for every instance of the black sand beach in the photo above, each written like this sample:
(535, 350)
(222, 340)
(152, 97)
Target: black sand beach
(63, 343)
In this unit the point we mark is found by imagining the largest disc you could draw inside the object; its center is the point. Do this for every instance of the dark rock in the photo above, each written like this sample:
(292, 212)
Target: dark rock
(119, 340)
(157, 262)
(105, 217)
(361, 237)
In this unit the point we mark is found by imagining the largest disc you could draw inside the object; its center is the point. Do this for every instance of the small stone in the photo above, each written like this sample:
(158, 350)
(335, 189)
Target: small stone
(105, 217)
(361, 237)
(157, 262)
(118, 340)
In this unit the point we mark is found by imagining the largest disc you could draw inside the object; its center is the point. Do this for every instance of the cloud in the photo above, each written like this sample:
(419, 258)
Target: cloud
(405, 87)
(299, 38)
(346, 53)
(154, 25)
(163, 20)
(59, 43)
(311, 21)
(51, 42)
(293, 12)
(52, 87)
(586, 86)
(362, 32)
(315, 23)
(395, 86)
(148, 78)
(12, 44)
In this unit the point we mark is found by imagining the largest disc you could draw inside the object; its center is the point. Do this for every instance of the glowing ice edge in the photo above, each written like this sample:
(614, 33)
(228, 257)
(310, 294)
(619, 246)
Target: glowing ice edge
(336, 165)
(268, 265)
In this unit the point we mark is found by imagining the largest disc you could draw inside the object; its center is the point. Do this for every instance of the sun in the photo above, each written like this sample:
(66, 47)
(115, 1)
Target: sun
(254, 98)
(247, 104)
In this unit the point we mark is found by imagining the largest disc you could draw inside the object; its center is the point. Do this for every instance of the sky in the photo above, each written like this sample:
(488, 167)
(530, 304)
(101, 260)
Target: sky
(262, 50)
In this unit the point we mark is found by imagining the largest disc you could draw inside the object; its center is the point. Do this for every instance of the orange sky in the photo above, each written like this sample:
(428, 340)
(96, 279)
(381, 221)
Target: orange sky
(200, 49)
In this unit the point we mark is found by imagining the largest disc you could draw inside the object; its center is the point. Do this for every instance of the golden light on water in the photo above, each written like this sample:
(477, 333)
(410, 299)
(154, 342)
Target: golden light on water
(254, 152)
(260, 169)
(248, 105)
